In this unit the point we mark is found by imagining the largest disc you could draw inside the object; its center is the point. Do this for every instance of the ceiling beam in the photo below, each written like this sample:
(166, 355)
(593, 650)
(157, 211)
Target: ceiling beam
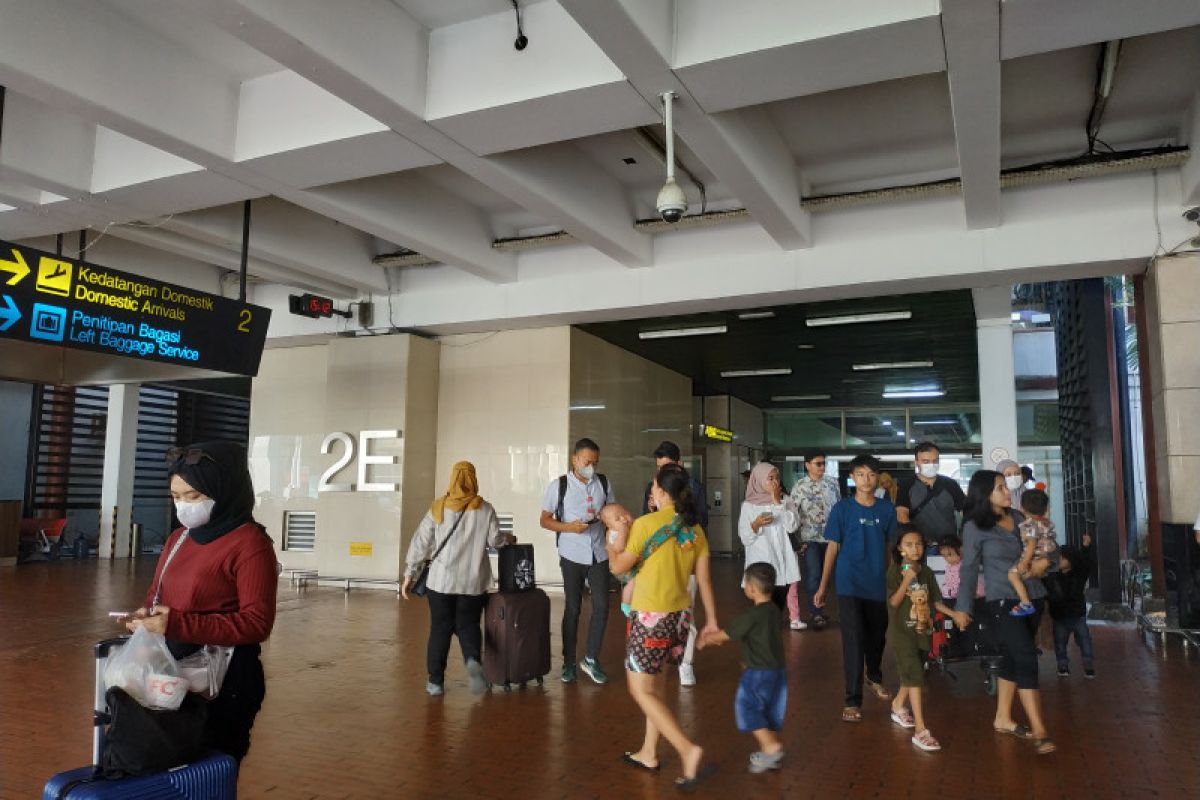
(330, 47)
(971, 29)
(1190, 174)
(170, 242)
(1037, 26)
(742, 149)
(159, 95)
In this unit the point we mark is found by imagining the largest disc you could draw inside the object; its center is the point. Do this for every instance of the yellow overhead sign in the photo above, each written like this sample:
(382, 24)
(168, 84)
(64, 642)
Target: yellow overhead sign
(717, 434)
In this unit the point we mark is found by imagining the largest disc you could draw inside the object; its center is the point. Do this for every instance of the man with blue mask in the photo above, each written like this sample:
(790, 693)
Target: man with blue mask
(928, 500)
(571, 508)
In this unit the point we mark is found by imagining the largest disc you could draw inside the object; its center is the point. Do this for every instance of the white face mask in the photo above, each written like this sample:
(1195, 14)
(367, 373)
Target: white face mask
(929, 470)
(587, 472)
(194, 515)
(1014, 482)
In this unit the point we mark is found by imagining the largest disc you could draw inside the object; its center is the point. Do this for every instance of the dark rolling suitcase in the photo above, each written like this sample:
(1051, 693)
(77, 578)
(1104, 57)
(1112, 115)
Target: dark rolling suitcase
(516, 638)
(211, 778)
(515, 564)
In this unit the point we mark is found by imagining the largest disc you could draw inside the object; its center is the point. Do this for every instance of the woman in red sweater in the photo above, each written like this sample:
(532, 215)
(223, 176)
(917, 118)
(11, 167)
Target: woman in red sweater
(215, 582)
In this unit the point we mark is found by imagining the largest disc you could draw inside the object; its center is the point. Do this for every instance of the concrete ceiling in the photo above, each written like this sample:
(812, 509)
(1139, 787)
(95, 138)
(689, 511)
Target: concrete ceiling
(375, 124)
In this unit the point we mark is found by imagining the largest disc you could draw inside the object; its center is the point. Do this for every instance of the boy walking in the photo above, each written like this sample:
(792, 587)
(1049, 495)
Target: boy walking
(1068, 606)
(761, 699)
(862, 529)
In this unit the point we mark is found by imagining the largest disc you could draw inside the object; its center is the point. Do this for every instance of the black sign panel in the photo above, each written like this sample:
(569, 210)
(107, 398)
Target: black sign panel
(49, 299)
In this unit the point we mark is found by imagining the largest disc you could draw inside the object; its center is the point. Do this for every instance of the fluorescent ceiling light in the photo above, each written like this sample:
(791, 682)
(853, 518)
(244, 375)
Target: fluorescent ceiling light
(893, 365)
(900, 434)
(756, 315)
(1016, 316)
(672, 333)
(596, 407)
(887, 422)
(796, 398)
(755, 373)
(913, 394)
(806, 347)
(850, 319)
(935, 422)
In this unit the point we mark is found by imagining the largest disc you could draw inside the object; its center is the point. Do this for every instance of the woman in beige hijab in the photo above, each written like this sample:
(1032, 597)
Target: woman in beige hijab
(455, 533)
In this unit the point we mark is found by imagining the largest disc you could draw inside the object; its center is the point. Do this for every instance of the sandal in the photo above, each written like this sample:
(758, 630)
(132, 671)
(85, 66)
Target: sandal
(903, 717)
(1044, 747)
(633, 762)
(688, 784)
(877, 688)
(1018, 730)
(851, 714)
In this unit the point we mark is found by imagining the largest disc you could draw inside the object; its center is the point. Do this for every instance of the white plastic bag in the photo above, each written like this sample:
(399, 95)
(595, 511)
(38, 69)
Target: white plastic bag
(205, 669)
(145, 669)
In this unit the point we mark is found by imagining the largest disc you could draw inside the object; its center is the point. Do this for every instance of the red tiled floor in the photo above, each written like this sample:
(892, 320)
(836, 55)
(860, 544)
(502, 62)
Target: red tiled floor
(346, 716)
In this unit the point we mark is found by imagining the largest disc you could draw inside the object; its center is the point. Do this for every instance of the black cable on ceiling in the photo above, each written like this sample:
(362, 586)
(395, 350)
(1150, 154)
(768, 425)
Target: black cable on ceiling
(522, 41)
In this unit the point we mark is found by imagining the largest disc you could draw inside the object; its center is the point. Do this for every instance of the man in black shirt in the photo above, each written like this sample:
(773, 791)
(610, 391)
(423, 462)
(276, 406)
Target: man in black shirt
(928, 500)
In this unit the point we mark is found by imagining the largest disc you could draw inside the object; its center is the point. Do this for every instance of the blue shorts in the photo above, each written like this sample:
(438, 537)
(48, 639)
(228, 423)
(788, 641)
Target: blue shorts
(761, 700)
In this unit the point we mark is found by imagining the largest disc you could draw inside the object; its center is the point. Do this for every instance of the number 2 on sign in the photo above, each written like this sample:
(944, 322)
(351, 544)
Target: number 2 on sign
(244, 325)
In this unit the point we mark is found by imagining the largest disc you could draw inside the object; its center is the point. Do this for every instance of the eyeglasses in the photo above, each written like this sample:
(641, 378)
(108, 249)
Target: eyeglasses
(188, 455)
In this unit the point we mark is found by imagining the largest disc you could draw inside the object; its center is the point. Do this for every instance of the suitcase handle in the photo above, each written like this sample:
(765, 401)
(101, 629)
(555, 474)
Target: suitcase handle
(104, 646)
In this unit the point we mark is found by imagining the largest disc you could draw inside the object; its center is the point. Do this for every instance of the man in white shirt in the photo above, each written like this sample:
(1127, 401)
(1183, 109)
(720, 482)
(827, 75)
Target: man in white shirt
(571, 508)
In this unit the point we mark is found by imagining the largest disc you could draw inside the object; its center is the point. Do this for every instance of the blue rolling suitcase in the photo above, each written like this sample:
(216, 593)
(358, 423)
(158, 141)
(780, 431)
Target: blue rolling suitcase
(211, 778)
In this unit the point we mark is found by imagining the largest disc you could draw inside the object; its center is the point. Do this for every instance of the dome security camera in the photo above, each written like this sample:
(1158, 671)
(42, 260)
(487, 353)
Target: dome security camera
(672, 202)
(1192, 215)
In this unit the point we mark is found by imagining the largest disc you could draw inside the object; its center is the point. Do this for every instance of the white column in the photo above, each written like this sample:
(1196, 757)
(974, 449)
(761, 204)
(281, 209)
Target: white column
(120, 452)
(997, 377)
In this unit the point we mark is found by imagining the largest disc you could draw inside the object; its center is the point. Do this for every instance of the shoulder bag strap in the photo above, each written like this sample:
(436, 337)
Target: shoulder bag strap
(167, 563)
(453, 527)
(934, 491)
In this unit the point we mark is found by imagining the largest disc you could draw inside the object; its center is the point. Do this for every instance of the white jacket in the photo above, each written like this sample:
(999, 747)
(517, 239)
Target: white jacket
(463, 566)
(771, 543)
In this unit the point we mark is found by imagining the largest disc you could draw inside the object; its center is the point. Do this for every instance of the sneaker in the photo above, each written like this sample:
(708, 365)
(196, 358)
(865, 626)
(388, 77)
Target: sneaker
(1089, 673)
(475, 680)
(434, 689)
(799, 625)
(926, 742)
(568, 673)
(591, 668)
(1063, 672)
(1023, 610)
(760, 762)
(687, 675)
(903, 718)
(820, 623)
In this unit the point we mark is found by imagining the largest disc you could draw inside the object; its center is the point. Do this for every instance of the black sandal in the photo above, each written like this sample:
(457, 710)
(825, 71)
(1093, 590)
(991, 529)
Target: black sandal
(1018, 730)
(689, 784)
(633, 762)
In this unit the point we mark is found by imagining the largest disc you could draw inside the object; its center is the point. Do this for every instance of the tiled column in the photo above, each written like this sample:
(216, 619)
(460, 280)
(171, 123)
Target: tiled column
(120, 451)
(997, 377)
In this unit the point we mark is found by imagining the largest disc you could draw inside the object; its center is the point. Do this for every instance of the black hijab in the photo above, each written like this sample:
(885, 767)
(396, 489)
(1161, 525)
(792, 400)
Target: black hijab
(222, 473)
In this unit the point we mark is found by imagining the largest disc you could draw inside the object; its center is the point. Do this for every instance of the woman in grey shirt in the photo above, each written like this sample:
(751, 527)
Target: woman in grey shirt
(991, 541)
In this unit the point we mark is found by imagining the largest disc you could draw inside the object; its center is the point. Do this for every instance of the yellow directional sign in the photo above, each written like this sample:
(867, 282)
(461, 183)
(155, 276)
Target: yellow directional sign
(17, 267)
(717, 434)
(54, 276)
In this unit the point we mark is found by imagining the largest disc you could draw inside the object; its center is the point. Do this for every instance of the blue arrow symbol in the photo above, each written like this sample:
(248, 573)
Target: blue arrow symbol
(8, 314)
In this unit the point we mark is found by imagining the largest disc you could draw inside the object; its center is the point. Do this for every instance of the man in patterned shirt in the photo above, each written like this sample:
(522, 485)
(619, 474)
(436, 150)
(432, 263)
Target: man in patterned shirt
(815, 495)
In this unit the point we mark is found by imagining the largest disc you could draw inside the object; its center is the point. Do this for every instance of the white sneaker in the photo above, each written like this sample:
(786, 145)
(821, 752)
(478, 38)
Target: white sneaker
(687, 675)
(799, 625)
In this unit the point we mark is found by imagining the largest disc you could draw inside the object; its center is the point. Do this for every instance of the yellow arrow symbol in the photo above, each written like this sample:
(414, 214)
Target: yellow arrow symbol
(17, 267)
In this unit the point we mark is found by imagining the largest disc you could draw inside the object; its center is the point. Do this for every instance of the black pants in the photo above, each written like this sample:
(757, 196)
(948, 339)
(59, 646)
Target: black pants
(231, 713)
(864, 630)
(596, 576)
(1017, 637)
(453, 615)
(779, 598)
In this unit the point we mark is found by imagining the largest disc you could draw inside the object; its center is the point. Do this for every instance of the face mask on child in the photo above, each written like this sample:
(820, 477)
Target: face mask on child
(1014, 482)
